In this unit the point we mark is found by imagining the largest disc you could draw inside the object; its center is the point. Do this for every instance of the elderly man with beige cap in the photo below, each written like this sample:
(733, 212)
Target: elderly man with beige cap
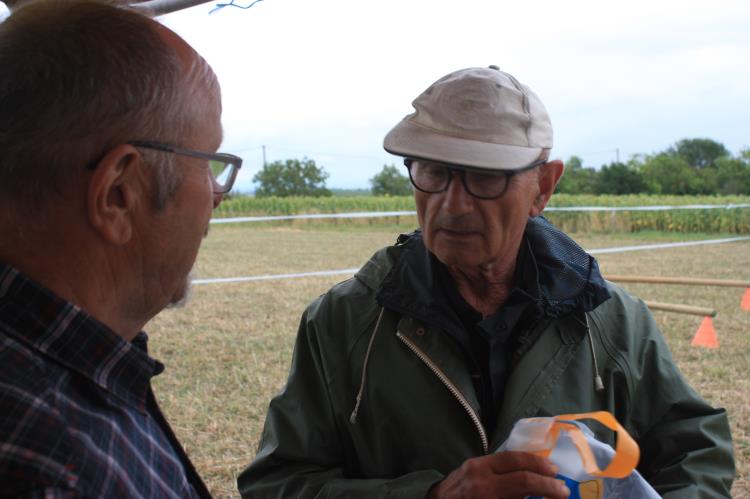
(407, 377)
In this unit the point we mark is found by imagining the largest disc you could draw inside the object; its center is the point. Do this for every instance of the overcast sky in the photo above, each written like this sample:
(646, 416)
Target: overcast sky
(327, 79)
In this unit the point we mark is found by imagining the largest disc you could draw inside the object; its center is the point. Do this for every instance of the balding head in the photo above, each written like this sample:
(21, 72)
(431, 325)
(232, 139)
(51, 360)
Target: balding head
(78, 77)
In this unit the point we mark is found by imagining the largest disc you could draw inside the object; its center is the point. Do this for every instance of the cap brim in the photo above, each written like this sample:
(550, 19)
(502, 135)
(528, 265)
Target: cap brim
(414, 141)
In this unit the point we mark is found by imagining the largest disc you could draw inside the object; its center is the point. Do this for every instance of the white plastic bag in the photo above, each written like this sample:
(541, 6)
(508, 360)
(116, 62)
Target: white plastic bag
(591, 469)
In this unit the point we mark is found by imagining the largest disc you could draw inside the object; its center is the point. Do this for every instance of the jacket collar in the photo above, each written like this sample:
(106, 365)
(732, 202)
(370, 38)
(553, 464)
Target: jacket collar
(554, 273)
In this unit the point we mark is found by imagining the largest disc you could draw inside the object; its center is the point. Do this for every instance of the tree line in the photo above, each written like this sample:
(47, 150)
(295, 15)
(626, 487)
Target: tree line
(689, 167)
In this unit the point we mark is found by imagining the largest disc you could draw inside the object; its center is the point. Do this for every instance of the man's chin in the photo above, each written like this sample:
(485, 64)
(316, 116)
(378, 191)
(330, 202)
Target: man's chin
(182, 297)
(456, 256)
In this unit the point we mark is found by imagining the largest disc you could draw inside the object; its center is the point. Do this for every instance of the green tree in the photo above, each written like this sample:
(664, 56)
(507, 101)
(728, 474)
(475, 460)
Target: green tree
(669, 174)
(292, 177)
(699, 153)
(619, 178)
(390, 182)
(708, 181)
(577, 179)
(574, 162)
(732, 176)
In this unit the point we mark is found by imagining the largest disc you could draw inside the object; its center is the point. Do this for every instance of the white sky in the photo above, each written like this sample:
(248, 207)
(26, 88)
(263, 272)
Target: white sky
(327, 79)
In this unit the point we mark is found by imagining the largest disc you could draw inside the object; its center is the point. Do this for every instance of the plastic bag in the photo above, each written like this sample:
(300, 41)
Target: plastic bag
(591, 469)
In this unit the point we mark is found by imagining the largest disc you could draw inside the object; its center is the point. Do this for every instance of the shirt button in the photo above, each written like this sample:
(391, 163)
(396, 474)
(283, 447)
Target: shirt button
(420, 331)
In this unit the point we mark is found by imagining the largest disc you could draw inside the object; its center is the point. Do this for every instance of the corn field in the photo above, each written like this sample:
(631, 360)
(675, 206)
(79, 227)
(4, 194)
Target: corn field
(267, 206)
(732, 220)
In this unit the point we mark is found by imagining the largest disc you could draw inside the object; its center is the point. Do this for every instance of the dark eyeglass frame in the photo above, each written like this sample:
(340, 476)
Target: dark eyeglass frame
(462, 170)
(229, 160)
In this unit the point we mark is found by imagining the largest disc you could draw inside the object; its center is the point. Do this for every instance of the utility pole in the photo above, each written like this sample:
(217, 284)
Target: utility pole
(264, 156)
(617, 154)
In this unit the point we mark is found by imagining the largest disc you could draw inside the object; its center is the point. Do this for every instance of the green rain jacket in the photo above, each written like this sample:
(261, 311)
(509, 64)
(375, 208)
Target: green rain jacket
(379, 401)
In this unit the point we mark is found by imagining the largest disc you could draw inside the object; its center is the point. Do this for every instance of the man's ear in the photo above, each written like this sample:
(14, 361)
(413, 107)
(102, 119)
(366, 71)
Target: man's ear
(114, 192)
(547, 178)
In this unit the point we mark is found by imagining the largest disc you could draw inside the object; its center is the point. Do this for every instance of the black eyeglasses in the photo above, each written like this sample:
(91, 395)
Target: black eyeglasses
(224, 167)
(433, 177)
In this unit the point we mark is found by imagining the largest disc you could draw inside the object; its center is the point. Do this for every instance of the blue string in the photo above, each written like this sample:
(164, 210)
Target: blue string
(232, 4)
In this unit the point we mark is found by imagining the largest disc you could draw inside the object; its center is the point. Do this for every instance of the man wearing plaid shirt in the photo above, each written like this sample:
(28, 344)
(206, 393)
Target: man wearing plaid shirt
(109, 125)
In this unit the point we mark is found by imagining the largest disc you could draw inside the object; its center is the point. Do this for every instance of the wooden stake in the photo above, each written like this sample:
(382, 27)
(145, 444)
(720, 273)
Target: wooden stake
(681, 309)
(678, 280)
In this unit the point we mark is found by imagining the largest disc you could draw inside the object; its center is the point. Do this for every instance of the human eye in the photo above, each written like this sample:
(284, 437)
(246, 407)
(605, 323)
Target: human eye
(486, 184)
(434, 170)
(490, 178)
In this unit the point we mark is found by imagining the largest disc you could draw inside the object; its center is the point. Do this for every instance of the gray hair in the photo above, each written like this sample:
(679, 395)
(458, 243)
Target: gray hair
(78, 77)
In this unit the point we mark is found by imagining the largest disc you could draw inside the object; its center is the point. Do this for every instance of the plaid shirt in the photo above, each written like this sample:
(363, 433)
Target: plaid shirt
(77, 414)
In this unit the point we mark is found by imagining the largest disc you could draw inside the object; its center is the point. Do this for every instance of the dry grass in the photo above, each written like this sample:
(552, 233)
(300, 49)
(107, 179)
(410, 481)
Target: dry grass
(228, 352)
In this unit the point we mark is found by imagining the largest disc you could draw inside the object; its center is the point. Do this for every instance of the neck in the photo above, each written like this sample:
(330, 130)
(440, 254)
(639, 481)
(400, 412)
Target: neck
(487, 287)
(76, 272)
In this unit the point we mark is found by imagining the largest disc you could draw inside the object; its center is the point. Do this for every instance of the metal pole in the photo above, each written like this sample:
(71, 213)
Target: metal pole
(160, 7)
(264, 156)
(679, 280)
(156, 7)
(681, 309)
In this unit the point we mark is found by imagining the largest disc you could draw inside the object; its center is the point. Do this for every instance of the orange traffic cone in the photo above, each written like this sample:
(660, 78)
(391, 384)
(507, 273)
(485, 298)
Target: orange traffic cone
(705, 336)
(745, 305)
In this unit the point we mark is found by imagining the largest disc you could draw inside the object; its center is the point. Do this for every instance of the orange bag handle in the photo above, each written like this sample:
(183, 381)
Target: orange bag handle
(626, 450)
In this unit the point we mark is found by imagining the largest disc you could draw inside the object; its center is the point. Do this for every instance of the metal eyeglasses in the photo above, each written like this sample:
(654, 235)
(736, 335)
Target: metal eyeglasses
(223, 167)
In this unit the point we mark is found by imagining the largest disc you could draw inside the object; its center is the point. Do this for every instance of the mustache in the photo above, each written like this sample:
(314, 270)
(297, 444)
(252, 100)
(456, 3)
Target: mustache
(456, 224)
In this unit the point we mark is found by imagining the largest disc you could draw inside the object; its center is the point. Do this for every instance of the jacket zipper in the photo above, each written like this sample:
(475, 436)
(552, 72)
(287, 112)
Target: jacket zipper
(451, 388)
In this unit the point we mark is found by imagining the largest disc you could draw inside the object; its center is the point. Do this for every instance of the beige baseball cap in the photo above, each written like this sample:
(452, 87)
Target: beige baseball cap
(475, 117)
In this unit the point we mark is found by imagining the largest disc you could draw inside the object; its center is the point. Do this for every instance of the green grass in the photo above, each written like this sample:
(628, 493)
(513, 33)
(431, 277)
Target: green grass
(228, 352)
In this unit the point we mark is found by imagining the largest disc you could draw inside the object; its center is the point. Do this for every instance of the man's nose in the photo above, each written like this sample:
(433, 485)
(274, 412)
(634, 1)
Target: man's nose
(456, 199)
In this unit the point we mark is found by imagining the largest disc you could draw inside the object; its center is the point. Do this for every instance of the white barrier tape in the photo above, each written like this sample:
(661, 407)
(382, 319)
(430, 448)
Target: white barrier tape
(274, 276)
(356, 214)
(376, 214)
(353, 271)
(649, 208)
(666, 245)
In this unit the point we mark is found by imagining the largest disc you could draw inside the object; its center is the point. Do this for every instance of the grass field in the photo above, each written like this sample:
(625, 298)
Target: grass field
(228, 352)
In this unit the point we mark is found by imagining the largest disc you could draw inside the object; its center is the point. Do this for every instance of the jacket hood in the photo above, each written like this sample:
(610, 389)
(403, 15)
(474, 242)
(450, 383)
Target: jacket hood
(554, 272)
(568, 278)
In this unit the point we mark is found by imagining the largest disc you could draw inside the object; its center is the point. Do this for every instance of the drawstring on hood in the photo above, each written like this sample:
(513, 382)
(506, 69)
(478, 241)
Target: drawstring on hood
(598, 383)
(353, 417)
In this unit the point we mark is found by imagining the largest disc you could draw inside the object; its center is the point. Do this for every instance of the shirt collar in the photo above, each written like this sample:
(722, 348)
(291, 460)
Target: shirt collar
(68, 335)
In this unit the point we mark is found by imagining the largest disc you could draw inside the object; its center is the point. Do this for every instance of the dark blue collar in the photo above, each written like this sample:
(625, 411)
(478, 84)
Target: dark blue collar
(553, 273)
